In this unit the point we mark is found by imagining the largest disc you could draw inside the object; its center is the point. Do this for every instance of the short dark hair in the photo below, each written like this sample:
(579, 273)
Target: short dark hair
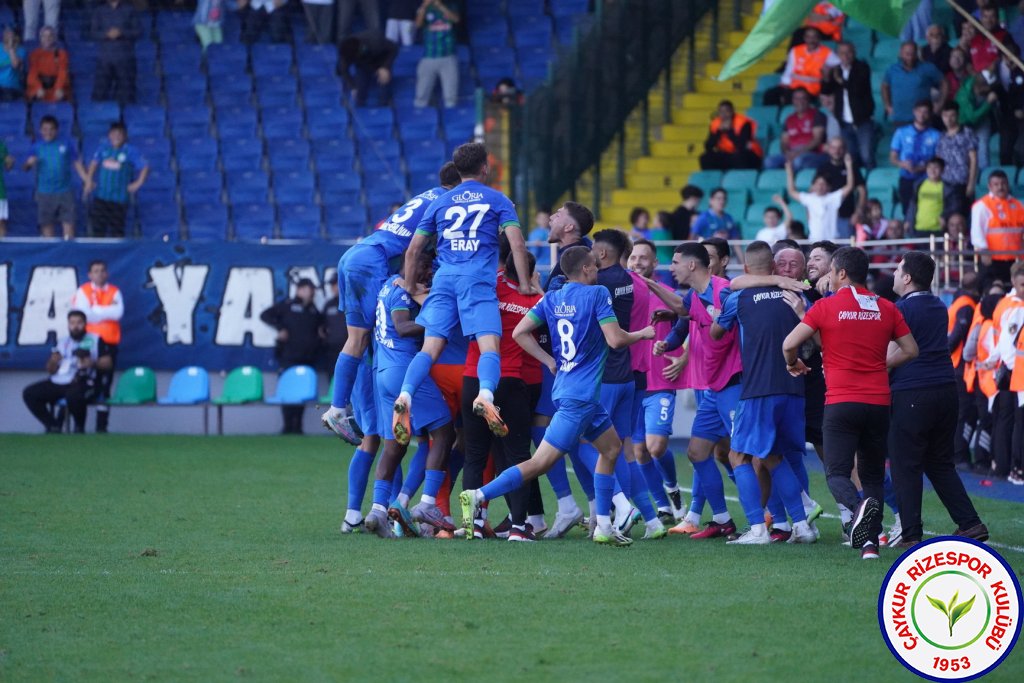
(510, 266)
(827, 246)
(923, 103)
(937, 160)
(75, 313)
(50, 119)
(118, 125)
(720, 245)
(449, 175)
(727, 103)
(998, 173)
(696, 251)
(759, 255)
(716, 190)
(691, 191)
(951, 105)
(645, 243)
(920, 267)
(581, 215)
(470, 158)
(784, 243)
(854, 261)
(798, 228)
(636, 213)
(616, 239)
(572, 260)
(97, 262)
(803, 90)
(774, 209)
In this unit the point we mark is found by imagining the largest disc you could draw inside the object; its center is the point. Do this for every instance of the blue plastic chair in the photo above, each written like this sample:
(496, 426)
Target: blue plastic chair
(295, 386)
(189, 386)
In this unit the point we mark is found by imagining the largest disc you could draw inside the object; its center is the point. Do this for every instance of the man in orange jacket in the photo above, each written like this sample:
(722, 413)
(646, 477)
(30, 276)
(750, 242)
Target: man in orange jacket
(997, 227)
(732, 141)
(961, 315)
(103, 306)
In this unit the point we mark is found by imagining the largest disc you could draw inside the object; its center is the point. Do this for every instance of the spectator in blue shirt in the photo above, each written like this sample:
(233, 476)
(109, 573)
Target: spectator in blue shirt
(12, 67)
(122, 171)
(912, 146)
(540, 232)
(909, 82)
(715, 222)
(53, 158)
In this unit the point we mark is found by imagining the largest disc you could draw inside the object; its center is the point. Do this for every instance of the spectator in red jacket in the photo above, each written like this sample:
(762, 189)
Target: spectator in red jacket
(48, 78)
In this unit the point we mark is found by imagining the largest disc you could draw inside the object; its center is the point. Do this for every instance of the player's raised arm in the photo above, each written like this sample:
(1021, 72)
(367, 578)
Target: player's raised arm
(518, 244)
(412, 259)
(675, 303)
(747, 281)
(523, 334)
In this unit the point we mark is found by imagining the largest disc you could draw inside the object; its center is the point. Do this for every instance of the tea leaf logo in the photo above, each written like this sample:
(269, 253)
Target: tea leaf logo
(953, 611)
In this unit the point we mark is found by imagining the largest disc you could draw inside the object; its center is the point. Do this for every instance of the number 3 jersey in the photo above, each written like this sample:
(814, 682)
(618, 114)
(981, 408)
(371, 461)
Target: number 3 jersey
(574, 315)
(390, 349)
(394, 234)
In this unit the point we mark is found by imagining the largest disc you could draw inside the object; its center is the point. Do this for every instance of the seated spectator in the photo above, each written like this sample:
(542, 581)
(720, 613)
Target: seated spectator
(854, 103)
(439, 61)
(12, 67)
(936, 51)
(828, 20)
(6, 164)
(976, 100)
(873, 225)
(985, 54)
(821, 204)
(834, 170)
(72, 368)
(400, 26)
(541, 230)
(48, 79)
(805, 67)
(207, 22)
(912, 146)
(112, 174)
(958, 149)
(53, 158)
(959, 71)
(640, 220)
(115, 27)
(925, 214)
(258, 15)
(803, 134)
(776, 221)
(371, 55)
(679, 222)
(908, 82)
(715, 222)
(731, 141)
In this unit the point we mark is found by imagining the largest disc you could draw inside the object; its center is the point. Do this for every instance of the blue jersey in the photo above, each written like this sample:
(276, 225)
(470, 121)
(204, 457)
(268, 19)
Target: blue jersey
(395, 233)
(391, 349)
(117, 168)
(468, 221)
(619, 367)
(54, 160)
(765, 320)
(574, 315)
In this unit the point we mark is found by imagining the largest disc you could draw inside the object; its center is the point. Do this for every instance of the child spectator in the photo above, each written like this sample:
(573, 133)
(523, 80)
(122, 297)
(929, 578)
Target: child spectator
(911, 148)
(874, 225)
(776, 221)
(640, 219)
(715, 222)
(48, 79)
(679, 221)
(822, 206)
(925, 215)
(400, 26)
(207, 22)
(540, 232)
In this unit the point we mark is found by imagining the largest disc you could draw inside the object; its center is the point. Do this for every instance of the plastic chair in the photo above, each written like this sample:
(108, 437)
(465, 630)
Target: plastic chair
(136, 387)
(329, 396)
(295, 386)
(242, 385)
(189, 386)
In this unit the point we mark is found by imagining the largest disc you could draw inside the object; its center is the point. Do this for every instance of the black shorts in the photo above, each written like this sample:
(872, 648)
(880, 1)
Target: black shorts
(108, 218)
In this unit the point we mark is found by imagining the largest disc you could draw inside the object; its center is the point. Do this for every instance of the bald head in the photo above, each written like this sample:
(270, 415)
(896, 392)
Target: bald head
(758, 259)
(790, 262)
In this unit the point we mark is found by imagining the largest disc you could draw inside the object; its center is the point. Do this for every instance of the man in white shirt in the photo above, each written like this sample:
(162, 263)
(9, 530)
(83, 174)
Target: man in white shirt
(822, 206)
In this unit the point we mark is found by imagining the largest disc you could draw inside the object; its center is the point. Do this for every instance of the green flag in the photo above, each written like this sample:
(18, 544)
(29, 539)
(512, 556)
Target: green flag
(784, 16)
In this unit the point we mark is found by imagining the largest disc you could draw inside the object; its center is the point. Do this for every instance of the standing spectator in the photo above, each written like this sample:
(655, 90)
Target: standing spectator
(962, 314)
(320, 17)
(681, 220)
(1016, 27)
(51, 16)
(53, 159)
(959, 71)
(918, 23)
(48, 78)
(803, 134)
(640, 223)
(335, 328)
(207, 21)
(926, 215)
(907, 83)
(371, 55)
(298, 326)
(12, 67)
(912, 146)
(6, 164)
(731, 141)
(103, 307)
(997, 224)
(439, 61)
(805, 67)
(72, 368)
(115, 27)
(958, 148)
(821, 204)
(828, 20)
(776, 221)
(855, 103)
(835, 170)
(827, 99)
(400, 26)
(715, 222)
(260, 14)
(985, 55)
(540, 232)
(117, 162)
(936, 51)
(370, 9)
(977, 100)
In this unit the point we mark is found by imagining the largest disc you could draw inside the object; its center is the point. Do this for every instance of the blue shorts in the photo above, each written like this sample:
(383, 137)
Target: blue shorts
(574, 420)
(715, 413)
(659, 411)
(638, 415)
(769, 425)
(364, 403)
(698, 396)
(545, 406)
(454, 299)
(428, 411)
(362, 271)
(617, 401)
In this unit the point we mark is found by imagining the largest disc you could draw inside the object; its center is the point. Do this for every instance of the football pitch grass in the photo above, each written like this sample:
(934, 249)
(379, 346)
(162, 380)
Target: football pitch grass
(209, 559)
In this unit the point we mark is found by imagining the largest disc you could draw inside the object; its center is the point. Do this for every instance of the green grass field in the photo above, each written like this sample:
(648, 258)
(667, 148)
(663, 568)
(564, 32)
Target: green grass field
(209, 559)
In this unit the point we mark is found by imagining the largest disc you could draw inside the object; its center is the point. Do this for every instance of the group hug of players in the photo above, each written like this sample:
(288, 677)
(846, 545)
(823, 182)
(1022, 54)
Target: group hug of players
(588, 366)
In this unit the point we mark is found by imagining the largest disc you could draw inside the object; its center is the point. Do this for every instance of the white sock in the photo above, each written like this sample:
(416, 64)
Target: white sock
(721, 518)
(567, 505)
(896, 521)
(782, 526)
(663, 509)
(379, 507)
(621, 505)
(807, 500)
(479, 497)
(403, 500)
(536, 520)
(845, 516)
(692, 518)
(593, 507)
(353, 517)
(802, 526)
(487, 395)
(672, 489)
(429, 500)
(407, 396)
(758, 529)
(604, 522)
(654, 524)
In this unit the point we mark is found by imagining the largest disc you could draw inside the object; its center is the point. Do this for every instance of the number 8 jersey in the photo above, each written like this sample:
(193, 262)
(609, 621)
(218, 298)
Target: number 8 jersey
(574, 315)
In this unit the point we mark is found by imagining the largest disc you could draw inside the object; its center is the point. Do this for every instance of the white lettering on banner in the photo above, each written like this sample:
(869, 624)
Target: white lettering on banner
(859, 315)
(249, 292)
(50, 290)
(4, 304)
(178, 288)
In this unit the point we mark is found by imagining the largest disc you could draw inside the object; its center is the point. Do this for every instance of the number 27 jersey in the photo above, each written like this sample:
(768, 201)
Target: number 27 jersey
(574, 315)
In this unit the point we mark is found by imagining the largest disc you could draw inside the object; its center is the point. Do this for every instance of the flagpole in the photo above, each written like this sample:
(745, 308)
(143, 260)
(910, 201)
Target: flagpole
(985, 32)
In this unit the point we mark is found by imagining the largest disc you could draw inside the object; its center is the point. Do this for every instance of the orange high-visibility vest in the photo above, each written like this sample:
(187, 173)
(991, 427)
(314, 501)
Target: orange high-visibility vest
(961, 302)
(107, 330)
(1017, 376)
(986, 378)
(738, 121)
(808, 67)
(1005, 227)
(831, 28)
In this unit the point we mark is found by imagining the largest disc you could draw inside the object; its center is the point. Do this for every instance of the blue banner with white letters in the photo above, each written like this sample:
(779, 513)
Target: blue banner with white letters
(184, 303)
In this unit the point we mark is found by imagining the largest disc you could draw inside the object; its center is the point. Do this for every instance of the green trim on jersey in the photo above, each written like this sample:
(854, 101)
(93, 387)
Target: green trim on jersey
(605, 321)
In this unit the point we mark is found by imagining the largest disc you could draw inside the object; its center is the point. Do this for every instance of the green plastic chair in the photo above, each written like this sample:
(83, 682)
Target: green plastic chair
(137, 386)
(242, 385)
(326, 399)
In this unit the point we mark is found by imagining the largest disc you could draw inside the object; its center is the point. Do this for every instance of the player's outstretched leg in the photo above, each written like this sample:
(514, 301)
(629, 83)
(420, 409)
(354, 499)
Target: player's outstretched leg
(608, 446)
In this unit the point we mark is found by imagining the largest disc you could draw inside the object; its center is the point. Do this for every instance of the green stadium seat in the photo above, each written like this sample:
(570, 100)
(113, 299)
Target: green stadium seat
(136, 387)
(739, 180)
(765, 196)
(774, 147)
(882, 182)
(754, 216)
(242, 385)
(773, 179)
(804, 179)
(799, 212)
(706, 180)
(765, 117)
(748, 230)
(887, 49)
(329, 396)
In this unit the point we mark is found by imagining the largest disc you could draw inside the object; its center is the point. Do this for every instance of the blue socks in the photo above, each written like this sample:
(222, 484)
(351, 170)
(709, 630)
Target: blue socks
(584, 471)
(604, 484)
(711, 483)
(358, 473)
(506, 482)
(488, 369)
(345, 370)
(655, 483)
(666, 464)
(698, 500)
(796, 463)
(432, 484)
(890, 494)
(382, 492)
(396, 482)
(623, 477)
(750, 493)
(419, 368)
(788, 485)
(638, 486)
(414, 478)
(559, 478)
(775, 505)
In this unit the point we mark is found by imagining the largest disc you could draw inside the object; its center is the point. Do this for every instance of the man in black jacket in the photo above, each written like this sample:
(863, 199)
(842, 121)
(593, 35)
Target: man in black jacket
(115, 28)
(855, 103)
(372, 56)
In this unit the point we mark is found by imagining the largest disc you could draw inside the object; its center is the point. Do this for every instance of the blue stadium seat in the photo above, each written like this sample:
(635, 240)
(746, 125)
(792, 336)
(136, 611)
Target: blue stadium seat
(526, 7)
(247, 186)
(226, 55)
(236, 130)
(88, 112)
(196, 154)
(190, 112)
(489, 35)
(347, 221)
(338, 182)
(299, 221)
(367, 120)
(200, 194)
(188, 129)
(253, 222)
(189, 386)
(278, 98)
(296, 385)
(293, 152)
(535, 36)
(281, 114)
(329, 97)
(303, 180)
(380, 149)
(207, 222)
(160, 178)
(274, 131)
(235, 112)
(420, 181)
(374, 165)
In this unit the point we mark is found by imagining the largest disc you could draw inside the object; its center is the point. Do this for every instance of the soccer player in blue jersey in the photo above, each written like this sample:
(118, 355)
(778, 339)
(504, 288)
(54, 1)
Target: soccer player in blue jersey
(769, 423)
(583, 326)
(467, 222)
(362, 270)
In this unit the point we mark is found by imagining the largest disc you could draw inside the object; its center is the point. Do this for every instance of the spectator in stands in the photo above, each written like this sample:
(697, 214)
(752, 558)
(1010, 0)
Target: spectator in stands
(541, 229)
(835, 170)
(53, 159)
(371, 55)
(207, 22)
(506, 92)
(715, 222)
(912, 146)
(959, 71)
(12, 67)
(997, 225)
(925, 214)
(680, 221)
(370, 9)
(51, 16)
(985, 55)
(977, 100)
(400, 26)
(335, 329)
(907, 83)
(298, 324)
(805, 67)
(731, 141)
(122, 170)
(264, 14)
(916, 26)
(6, 164)
(803, 134)
(958, 149)
(776, 221)
(320, 18)
(439, 61)
(822, 204)
(1016, 27)
(639, 221)
(116, 28)
(72, 367)
(827, 99)
(873, 225)
(854, 103)
(936, 50)
(103, 307)
(48, 78)
(828, 20)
